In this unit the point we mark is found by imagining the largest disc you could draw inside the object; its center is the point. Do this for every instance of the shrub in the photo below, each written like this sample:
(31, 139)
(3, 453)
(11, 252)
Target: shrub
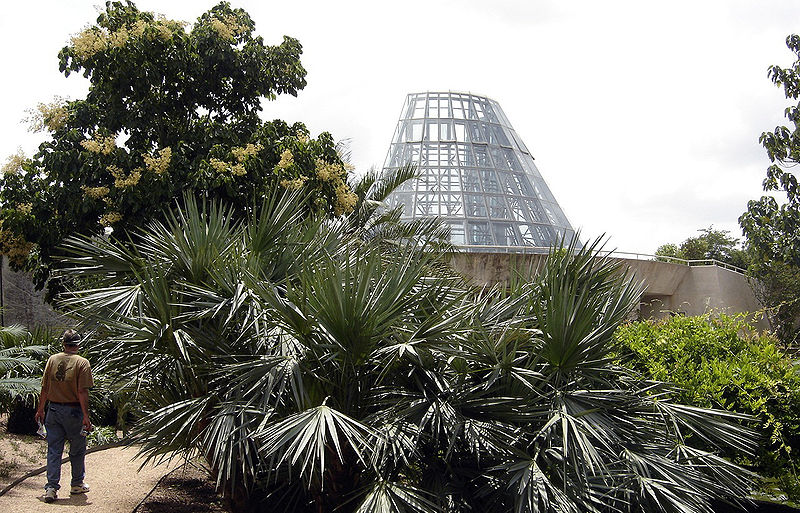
(720, 361)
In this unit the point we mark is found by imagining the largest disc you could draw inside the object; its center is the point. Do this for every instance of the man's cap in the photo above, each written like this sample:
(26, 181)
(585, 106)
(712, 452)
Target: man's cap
(71, 338)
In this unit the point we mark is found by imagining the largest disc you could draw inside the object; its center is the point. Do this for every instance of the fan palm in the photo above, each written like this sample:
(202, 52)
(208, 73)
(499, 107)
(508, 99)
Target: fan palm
(316, 371)
(22, 356)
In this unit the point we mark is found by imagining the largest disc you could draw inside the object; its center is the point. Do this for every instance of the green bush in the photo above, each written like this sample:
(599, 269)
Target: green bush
(721, 362)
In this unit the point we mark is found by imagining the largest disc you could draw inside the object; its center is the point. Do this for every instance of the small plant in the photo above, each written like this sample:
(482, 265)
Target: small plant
(102, 435)
(6, 466)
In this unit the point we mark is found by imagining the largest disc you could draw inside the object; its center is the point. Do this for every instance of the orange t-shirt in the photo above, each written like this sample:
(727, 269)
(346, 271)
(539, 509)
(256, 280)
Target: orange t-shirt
(64, 375)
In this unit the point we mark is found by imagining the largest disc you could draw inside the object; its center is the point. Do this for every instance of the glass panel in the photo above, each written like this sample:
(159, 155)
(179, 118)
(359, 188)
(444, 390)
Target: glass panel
(402, 199)
(497, 208)
(475, 205)
(457, 233)
(446, 132)
(476, 132)
(451, 205)
(480, 112)
(512, 160)
(460, 108)
(428, 182)
(431, 131)
(537, 214)
(481, 156)
(516, 209)
(523, 184)
(505, 235)
(450, 180)
(498, 157)
(471, 180)
(490, 183)
(478, 233)
(518, 141)
(499, 136)
(419, 107)
(527, 236)
(465, 156)
(413, 131)
(460, 131)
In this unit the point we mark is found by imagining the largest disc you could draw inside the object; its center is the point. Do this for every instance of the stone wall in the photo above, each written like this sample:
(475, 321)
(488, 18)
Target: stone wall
(23, 304)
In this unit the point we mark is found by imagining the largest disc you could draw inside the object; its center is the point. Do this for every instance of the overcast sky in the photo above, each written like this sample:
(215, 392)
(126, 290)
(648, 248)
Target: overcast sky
(643, 116)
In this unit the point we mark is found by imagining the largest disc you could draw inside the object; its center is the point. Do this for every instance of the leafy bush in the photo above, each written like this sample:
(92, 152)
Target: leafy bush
(721, 362)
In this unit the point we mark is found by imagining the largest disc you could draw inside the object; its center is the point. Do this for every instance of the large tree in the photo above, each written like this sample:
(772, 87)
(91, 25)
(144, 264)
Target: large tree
(169, 111)
(772, 228)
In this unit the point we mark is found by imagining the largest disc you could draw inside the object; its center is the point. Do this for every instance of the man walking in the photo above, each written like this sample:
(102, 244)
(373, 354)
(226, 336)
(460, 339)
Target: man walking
(65, 385)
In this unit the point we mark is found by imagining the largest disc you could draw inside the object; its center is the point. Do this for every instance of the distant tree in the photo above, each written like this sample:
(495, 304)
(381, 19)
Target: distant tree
(710, 245)
(169, 111)
(668, 250)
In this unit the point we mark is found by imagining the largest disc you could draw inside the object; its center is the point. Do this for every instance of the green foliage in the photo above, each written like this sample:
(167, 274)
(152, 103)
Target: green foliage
(169, 111)
(772, 229)
(720, 362)
(318, 370)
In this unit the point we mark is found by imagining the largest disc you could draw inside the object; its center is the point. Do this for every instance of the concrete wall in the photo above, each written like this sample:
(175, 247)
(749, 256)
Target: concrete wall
(670, 288)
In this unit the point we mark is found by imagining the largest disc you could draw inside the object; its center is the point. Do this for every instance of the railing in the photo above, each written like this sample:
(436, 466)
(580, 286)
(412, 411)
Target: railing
(537, 250)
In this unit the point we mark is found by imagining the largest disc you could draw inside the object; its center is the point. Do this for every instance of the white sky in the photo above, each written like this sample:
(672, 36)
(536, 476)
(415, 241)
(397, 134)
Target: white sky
(643, 116)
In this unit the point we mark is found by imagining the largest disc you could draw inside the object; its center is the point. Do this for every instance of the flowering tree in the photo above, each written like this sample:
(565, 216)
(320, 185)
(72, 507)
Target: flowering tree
(171, 110)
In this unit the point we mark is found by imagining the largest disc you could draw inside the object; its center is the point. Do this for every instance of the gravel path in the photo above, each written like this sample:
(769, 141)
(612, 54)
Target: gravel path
(116, 481)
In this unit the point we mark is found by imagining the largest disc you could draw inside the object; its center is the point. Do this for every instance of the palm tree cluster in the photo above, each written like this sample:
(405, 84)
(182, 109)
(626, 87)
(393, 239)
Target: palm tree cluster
(321, 366)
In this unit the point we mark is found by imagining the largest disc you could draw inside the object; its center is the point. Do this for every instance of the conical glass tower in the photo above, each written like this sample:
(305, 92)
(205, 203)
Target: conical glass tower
(474, 172)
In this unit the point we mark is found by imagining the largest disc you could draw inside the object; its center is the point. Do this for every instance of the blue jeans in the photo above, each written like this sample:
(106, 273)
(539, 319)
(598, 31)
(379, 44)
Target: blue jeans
(63, 423)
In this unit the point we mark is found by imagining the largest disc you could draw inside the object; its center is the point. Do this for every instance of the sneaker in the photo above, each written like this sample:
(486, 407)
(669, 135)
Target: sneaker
(50, 494)
(81, 488)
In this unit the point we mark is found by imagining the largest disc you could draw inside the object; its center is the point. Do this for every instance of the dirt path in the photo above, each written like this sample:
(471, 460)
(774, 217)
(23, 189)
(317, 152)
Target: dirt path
(116, 486)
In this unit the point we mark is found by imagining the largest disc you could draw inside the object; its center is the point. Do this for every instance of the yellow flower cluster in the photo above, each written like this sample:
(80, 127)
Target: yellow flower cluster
(91, 41)
(286, 161)
(303, 138)
(14, 247)
(14, 163)
(110, 218)
(226, 26)
(220, 166)
(242, 153)
(48, 116)
(95, 192)
(165, 28)
(120, 38)
(294, 184)
(345, 199)
(25, 208)
(104, 145)
(159, 164)
(121, 181)
(94, 40)
(326, 171)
